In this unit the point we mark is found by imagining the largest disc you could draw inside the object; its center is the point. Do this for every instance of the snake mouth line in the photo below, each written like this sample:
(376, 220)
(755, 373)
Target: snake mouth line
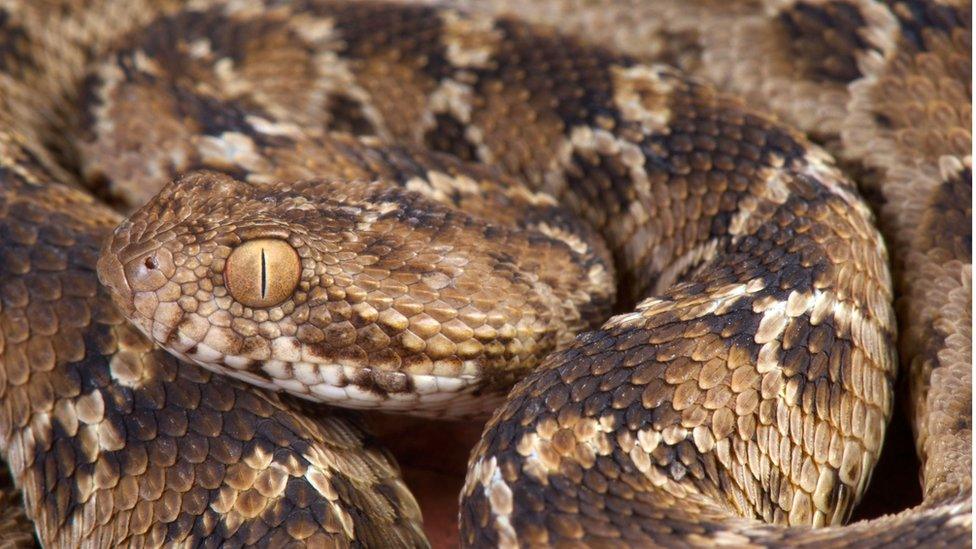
(346, 385)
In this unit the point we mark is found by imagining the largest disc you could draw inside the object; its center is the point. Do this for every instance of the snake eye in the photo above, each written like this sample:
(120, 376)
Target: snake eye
(262, 273)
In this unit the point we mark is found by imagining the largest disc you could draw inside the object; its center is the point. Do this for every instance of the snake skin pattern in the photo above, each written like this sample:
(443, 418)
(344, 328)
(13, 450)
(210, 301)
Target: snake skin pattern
(739, 396)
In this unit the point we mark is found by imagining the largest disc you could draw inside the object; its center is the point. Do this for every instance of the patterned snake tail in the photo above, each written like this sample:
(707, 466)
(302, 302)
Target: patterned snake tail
(751, 382)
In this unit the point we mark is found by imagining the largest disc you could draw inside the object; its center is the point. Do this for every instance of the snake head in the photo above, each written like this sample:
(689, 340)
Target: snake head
(358, 294)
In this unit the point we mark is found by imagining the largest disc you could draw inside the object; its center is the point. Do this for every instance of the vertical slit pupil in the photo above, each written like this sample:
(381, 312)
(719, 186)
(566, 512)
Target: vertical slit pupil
(264, 275)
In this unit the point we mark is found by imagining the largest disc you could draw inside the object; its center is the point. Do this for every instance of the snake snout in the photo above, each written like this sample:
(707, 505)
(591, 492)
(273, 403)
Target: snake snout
(112, 275)
(129, 270)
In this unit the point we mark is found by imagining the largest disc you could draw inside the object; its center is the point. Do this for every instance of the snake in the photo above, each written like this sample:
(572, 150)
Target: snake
(627, 231)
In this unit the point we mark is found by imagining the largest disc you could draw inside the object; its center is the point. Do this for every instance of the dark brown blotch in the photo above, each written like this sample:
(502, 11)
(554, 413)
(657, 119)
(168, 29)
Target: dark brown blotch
(448, 136)
(825, 39)
(15, 45)
(918, 18)
(948, 220)
(346, 114)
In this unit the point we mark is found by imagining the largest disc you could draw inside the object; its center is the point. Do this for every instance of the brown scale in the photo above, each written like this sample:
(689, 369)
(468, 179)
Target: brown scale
(946, 225)
(700, 134)
(575, 91)
(326, 309)
(911, 123)
(743, 421)
(825, 39)
(707, 406)
(15, 45)
(115, 443)
(794, 58)
(16, 530)
(207, 121)
(165, 74)
(795, 421)
(948, 460)
(346, 115)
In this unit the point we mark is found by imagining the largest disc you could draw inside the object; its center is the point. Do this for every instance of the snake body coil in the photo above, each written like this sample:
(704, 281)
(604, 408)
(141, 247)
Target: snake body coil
(491, 181)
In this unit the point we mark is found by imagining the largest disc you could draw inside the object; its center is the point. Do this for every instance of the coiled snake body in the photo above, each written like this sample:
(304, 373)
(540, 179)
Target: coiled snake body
(739, 396)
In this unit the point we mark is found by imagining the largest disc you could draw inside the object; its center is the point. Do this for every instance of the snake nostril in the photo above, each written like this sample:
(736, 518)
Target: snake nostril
(149, 271)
